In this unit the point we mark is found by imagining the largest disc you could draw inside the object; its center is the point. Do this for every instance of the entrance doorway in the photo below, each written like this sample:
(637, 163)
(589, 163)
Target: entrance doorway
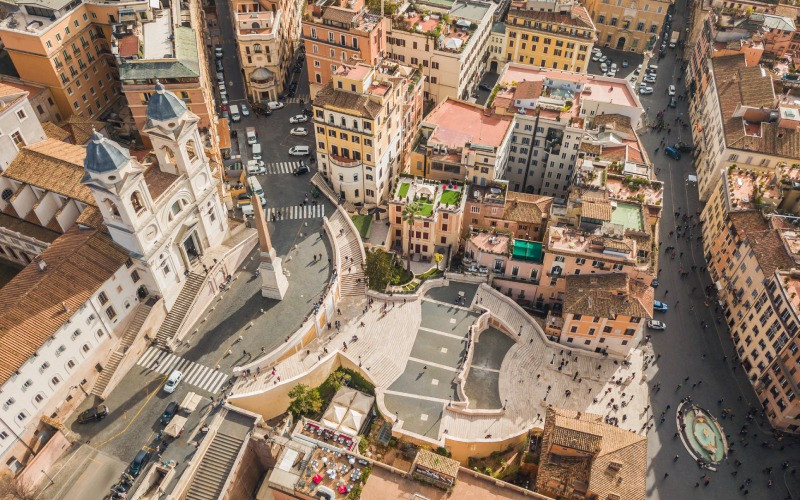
(141, 292)
(493, 67)
(621, 43)
(191, 247)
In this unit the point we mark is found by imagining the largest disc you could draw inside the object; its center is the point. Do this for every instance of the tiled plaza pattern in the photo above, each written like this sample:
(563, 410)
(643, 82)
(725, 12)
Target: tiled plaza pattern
(400, 350)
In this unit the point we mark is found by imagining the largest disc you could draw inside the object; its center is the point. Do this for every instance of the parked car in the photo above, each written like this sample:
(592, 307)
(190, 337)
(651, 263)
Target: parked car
(645, 90)
(302, 169)
(637, 70)
(613, 67)
(169, 412)
(218, 52)
(298, 131)
(219, 65)
(603, 58)
(298, 119)
(654, 283)
(220, 76)
(654, 324)
(649, 79)
(684, 147)
(173, 381)
(671, 90)
(245, 110)
(595, 57)
(139, 462)
(485, 87)
(275, 105)
(603, 67)
(673, 103)
(660, 306)
(93, 414)
(625, 63)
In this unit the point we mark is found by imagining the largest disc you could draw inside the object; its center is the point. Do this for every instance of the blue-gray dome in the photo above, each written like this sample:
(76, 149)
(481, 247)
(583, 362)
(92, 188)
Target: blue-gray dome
(164, 105)
(104, 155)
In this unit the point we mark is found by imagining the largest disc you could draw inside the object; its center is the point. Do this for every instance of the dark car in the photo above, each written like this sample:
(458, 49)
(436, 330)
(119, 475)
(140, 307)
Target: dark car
(139, 462)
(302, 169)
(672, 153)
(485, 87)
(684, 148)
(170, 412)
(93, 414)
(672, 102)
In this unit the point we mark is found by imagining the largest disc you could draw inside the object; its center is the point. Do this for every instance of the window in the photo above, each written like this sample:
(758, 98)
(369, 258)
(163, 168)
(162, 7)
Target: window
(70, 364)
(110, 312)
(55, 381)
(19, 142)
(38, 398)
(102, 297)
(22, 416)
(21, 114)
(3, 435)
(135, 276)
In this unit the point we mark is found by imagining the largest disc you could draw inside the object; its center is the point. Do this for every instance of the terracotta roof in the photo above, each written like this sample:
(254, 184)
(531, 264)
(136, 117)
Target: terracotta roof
(52, 165)
(353, 102)
(596, 210)
(338, 15)
(618, 467)
(739, 85)
(771, 253)
(436, 462)
(614, 121)
(158, 181)
(9, 90)
(578, 17)
(460, 122)
(606, 295)
(29, 229)
(748, 221)
(53, 131)
(34, 301)
(128, 46)
(82, 127)
(529, 90)
(91, 217)
(524, 207)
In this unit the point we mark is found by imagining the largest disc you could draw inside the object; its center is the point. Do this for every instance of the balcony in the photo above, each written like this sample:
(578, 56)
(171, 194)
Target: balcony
(342, 161)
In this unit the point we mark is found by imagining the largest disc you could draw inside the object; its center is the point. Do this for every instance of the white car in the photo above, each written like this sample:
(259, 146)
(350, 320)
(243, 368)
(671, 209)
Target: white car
(245, 110)
(604, 67)
(654, 324)
(274, 105)
(220, 77)
(645, 90)
(595, 57)
(671, 90)
(603, 58)
(611, 74)
(649, 79)
(298, 119)
(613, 66)
(298, 131)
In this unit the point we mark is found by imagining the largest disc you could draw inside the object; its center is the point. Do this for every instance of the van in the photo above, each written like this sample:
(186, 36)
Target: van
(139, 462)
(235, 116)
(672, 153)
(256, 190)
(173, 381)
(256, 151)
(247, 210)
(252, 137)
(256, 167)
(299, 151)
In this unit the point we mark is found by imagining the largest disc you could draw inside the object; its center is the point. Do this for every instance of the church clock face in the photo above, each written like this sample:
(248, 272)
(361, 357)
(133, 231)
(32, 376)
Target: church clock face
(151, 232)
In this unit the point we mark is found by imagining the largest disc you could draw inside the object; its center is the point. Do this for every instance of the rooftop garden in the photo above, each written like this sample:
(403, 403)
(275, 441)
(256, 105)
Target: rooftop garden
(363, 224)
(450, 197)
(428, 194)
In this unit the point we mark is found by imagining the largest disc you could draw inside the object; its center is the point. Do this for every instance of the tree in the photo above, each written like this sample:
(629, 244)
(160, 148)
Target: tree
(305, 401)
(409, 214)
(339, 378)
(16, 488)
(379, 269)
(438, 258)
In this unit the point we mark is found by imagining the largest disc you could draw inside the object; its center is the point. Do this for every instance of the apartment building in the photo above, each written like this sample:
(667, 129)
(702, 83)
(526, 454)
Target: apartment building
(65, 46)
(361, 118)
(18, 124)
(604, 313)
(493, 208)
(426, 217)
(740, 121)
(337, 32)
(266, 34)
(40, 97)
(556, 112)
(628, 25)
(461, 140)
(554, 34)
(158, 45)
(496, 48)
(450, 44)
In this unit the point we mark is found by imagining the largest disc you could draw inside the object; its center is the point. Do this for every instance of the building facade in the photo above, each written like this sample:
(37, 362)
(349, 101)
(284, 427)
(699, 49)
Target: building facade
(360, 120)
(19, 125)
(628, 25)
(266, 34)
(551, 34)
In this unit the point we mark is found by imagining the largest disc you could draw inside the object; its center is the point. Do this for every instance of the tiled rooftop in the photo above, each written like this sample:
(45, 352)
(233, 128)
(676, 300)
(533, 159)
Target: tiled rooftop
(458, 123)
(570, 240)
(745, 189)
(492, 243)
(608, 294)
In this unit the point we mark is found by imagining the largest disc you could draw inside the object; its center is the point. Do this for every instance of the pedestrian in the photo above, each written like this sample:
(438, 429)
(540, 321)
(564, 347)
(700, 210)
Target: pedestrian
(666, 475)
(675, 459)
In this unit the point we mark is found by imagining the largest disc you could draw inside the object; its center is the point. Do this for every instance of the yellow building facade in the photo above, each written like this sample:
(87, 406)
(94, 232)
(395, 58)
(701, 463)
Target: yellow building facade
(560, 40)
(626, 24)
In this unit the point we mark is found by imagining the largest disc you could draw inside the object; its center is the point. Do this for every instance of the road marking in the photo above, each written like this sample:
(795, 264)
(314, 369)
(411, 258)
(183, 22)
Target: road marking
(296, 100)
(435, 365)
(125, 429)
(297, 212)
(281, 167)
(195, 374)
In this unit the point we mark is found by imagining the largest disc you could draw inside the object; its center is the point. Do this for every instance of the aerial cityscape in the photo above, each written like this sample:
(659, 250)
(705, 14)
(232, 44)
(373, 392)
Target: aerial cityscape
(399, 249)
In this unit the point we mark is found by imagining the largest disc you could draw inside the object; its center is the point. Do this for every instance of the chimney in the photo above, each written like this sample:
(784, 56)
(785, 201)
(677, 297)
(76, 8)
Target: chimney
(64, 305)
(42, 265)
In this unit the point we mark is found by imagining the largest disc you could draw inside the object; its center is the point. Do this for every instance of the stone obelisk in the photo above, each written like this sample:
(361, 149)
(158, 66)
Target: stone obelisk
(273, 282)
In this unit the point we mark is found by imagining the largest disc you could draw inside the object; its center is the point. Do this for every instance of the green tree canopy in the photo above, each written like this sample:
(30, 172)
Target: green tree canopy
(305, 401)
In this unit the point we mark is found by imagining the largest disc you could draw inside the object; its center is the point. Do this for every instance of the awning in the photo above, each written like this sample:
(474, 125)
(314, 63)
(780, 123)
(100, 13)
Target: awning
(175, 427)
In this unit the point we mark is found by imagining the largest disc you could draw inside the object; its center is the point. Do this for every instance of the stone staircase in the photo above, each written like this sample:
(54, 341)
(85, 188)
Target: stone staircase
(319, 181)
(350, 258)
(215, 467)
(176, 315)
(119, 353)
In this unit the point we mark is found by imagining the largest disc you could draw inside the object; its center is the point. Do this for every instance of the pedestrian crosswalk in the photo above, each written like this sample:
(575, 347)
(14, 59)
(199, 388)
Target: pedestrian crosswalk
(282, 167)
(203, 377)
(307, 211)
(297, 99)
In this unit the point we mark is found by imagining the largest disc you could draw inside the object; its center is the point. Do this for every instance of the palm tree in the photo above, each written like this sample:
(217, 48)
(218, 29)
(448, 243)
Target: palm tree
(410, 212)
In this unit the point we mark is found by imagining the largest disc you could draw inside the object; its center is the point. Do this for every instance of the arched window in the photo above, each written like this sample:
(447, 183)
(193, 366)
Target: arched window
(169, 155)
(7, 194)
(136, 202)
(70, 364)
(176, 208)
(112, 208)
(55, 381)
(191, 150)
(257, 48)
(86, 348)
(38, 398)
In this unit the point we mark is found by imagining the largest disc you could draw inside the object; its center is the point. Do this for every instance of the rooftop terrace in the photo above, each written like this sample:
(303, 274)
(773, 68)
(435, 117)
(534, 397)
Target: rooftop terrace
(747, 189)
(571, 240)
(256, 23)
(449, 36)
(431, 195)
